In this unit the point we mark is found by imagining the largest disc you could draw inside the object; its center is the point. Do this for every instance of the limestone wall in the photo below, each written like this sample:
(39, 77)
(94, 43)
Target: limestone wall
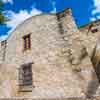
(91, 37)
(61, 66)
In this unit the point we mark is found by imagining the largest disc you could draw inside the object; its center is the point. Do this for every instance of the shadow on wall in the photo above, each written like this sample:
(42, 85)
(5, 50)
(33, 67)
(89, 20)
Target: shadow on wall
(93, 85)
(92, 88)
(60, 24)
(96, 59)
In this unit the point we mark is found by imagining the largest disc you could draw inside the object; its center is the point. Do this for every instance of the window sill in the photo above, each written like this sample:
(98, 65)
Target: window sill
(27, 50)
(25, 88)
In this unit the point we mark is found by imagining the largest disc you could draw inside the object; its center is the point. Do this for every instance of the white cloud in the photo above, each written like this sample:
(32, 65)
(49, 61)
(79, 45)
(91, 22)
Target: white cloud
(8, 1)
(17, 18)
(92, 19)
(3, 37)
(54, 7)
(97, 7)
(96, 10)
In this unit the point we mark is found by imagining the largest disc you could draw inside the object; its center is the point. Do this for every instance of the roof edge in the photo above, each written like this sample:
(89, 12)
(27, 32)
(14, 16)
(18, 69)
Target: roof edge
(67, 10)
(82, 26)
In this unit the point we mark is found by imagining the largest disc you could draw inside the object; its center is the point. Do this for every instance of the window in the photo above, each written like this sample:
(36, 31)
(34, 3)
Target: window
(3, 43)
(27, 42)
(94, 30)
(25, 77)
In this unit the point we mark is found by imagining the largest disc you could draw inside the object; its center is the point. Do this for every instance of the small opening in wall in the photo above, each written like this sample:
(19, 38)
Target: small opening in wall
(25, 78)
(94, 30)
(3, 43)
(27, 42)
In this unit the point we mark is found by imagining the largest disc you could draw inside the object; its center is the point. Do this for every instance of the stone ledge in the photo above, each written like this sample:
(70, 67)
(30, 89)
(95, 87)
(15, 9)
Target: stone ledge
(98, 98)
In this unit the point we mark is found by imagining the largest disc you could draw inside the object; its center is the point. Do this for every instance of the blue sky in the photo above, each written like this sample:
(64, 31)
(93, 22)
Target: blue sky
(84, 11)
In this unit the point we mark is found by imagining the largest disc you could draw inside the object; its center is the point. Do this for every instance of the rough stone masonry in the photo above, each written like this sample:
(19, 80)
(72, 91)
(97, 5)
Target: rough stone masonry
(58, 54)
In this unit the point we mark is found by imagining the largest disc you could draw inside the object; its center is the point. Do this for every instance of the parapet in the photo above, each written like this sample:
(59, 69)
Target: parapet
(68, 11)
(64, 13)
(91, 24)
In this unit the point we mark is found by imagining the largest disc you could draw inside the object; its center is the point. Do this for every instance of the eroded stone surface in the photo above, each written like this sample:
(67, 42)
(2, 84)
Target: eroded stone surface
(61, 65)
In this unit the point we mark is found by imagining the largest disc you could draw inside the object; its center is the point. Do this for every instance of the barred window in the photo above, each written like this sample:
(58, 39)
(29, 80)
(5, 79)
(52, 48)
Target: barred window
(27, 42)
(25, 77)
(3, 43)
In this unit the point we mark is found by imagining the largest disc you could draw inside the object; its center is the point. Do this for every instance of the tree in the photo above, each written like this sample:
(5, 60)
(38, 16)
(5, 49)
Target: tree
(2, 17)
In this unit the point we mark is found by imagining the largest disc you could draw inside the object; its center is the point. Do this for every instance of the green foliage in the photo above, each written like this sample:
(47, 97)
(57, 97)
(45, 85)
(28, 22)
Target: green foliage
(1, 5)
(2, 17)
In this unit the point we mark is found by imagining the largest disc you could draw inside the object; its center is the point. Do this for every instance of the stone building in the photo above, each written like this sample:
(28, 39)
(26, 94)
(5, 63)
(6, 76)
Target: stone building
(47, 56)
